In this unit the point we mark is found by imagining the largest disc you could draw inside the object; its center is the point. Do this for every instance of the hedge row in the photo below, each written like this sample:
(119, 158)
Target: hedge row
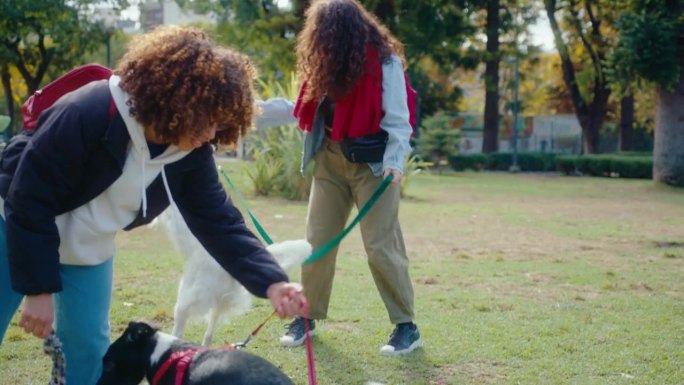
(623, 165)
(501, 161)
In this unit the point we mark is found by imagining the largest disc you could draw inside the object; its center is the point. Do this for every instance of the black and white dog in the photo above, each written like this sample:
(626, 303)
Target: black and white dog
(142, 351)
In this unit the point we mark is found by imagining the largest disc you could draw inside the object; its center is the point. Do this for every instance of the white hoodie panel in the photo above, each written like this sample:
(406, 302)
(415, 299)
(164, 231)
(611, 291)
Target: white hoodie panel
(87, 233)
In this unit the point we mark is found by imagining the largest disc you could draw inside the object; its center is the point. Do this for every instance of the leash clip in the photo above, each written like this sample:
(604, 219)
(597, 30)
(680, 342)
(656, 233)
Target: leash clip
(243, 344)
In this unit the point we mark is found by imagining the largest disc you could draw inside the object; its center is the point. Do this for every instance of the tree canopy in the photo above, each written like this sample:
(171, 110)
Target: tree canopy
(41, 36)
(651, 48)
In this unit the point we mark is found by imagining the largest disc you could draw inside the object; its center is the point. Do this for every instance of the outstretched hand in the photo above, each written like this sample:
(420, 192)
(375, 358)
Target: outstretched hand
(287, 298)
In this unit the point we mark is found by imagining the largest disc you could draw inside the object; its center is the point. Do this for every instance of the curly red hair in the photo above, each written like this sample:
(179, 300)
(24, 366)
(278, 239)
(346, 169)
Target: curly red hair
(331, 48)
(182, 84)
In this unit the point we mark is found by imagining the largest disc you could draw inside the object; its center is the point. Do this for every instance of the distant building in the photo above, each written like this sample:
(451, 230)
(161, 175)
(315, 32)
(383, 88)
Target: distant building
(112, 21)
(106, 16)
(557, 134)
(158, 12)
(552, 133)
(127, 25)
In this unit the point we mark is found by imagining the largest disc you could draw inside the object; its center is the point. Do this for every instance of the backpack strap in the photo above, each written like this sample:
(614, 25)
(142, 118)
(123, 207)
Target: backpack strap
(112, 109)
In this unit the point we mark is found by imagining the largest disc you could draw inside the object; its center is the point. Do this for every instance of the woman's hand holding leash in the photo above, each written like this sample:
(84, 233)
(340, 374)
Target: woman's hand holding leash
(395, 173)
(37, 315)
(287, 299)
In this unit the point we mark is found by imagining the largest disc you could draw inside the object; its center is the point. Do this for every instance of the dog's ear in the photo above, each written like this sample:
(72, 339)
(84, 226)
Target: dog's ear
(138, 331)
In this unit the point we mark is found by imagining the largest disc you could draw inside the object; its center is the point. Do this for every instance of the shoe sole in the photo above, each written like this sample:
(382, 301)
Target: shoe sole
(408, 350)
(288, 342)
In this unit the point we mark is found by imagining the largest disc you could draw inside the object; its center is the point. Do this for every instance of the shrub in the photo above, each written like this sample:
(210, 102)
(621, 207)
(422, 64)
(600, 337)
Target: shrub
(475, 162)
(632, 165)
(264, 171)
(277, 152)
(502, 161)
(411, 167)
(281, 147)
(438, 139)
(566, 164)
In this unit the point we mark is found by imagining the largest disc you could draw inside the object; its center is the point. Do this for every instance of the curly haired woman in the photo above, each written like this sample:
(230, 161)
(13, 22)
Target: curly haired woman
(351, 69)
(111, 156)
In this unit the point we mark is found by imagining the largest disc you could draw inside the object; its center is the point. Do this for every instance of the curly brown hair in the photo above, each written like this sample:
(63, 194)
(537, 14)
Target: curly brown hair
(182, 84)
(331, 48)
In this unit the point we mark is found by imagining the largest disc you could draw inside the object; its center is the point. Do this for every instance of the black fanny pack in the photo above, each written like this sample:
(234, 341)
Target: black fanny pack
(365, 149)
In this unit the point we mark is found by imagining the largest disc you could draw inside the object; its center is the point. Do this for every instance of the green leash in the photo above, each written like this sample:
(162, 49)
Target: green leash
(243, 202)
(328, 246)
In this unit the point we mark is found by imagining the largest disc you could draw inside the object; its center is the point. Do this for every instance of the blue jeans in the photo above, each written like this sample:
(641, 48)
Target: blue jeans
(81, 313)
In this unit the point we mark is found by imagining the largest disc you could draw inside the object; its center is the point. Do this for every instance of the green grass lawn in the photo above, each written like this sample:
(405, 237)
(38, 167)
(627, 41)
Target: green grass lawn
(519, 279)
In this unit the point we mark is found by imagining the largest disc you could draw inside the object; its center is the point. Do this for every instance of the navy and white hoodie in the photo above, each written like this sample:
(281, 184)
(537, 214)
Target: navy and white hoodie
(83, 176)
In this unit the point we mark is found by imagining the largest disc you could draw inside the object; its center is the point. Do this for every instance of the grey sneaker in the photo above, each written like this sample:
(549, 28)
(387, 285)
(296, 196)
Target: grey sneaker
(404, 339)
(296, 332)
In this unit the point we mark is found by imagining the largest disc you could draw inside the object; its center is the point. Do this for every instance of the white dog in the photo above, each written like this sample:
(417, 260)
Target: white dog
(206, 289)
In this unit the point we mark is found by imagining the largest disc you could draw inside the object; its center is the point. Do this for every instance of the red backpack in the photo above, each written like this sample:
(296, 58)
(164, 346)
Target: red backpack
(39, 102)
(48, 95)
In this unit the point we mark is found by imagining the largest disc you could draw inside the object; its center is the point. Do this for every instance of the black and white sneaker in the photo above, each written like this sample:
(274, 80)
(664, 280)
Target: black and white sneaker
(404, 339)
(296, 332)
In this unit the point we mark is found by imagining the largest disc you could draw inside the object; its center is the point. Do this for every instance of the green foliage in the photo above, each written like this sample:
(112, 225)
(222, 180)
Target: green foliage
(428, 28)
(566, 164)
(502, 161)
(227, 10)
(475, 162)
(286, 87)
(278, 151)
(45, 38)
(622, 165)
(411, 167)
(38, 35)
(438, 139)
(432, 31)
(264, 172)
(650, 42)
(118, 44)
(267, 41)
(257, 28)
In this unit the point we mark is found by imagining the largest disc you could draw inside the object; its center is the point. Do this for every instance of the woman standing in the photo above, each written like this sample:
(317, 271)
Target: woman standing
(353, 86)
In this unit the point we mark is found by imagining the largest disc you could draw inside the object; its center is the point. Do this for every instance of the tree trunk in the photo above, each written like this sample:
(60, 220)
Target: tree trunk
(668, 149)
(490, 142)
(590, 133)
(590, 115)
(627, 123)
(7, 87)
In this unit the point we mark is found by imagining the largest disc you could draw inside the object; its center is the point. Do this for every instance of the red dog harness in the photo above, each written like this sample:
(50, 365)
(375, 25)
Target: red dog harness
(181, 359)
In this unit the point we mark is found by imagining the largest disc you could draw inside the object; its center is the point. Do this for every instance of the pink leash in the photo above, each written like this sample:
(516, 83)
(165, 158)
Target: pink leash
(309, 348)
(309, 344)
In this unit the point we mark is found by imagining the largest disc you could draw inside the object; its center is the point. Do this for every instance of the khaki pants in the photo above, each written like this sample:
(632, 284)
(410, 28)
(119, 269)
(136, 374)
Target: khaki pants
(337, 185)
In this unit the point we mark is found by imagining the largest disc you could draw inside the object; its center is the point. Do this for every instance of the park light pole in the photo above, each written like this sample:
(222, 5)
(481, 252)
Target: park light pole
(106, 19)
(514, 137)
(108, 41)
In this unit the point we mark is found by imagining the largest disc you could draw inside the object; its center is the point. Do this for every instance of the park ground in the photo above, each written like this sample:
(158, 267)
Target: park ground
(519, 279)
